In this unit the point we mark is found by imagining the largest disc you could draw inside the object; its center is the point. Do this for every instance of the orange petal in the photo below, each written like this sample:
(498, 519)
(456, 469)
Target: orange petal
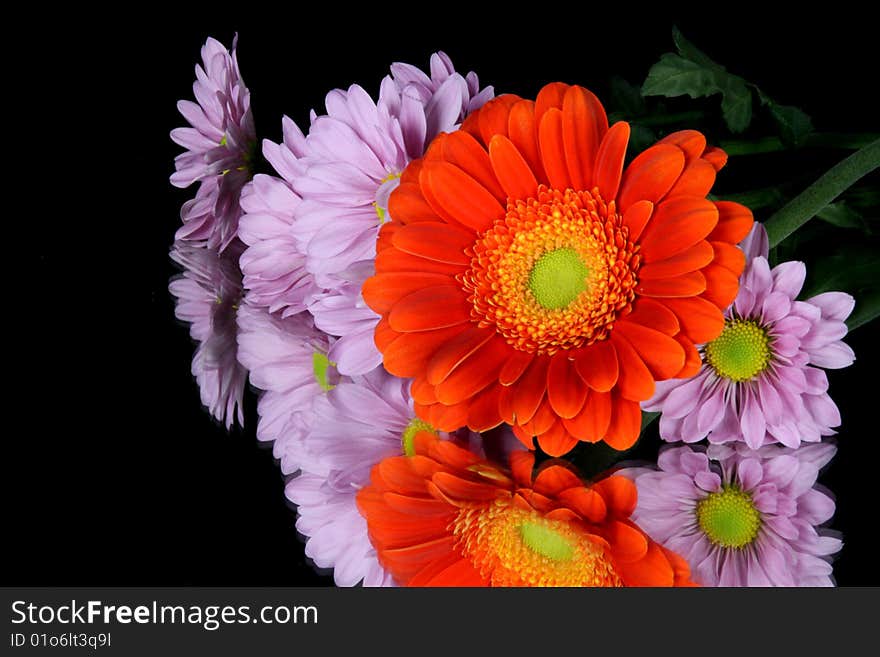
(475, 373)
(554, 478)
(521, 465)
(697, 179)
(734, 222)
(663, 355)
(584, 124)
(445, 451)
(512, 170)
(408, 354)
(443, 417)
(635, 380)
(460, 574)
(566, 391)
(626, 424)
(585, 501)
(397, 473)
(454, 352)
(692, 142)
(392, 259)
(651, 570)
(416, 506)
(463, 198)
(609, 160)
(541, 421)
(408, 205)
(529, 390)
(483, 413)
(722, 285)
(552, 148)
(463, 489)
(493, 116)
(619, 493)
(382, 291)
(592, 422)
(729, 256)
(384, 335)
(422, 392)
(505, 404)
(550, 96)
(653, 314)
(465, 152)
(636, 218)
(523, 132)
(430, 308)
(514, 367)
(716, 157)
(686, 285)
(700, 320)
(436, 241)
(650, 175)
(691, 259)
(597, 365)
(628, 544)
(432, 568)
(677, 224)
(557, 441)
(692, 360)
(411, 173)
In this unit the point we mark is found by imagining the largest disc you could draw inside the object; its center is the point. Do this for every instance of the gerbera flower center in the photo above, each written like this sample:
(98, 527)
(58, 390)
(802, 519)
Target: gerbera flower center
(741, 352)
(518, 547)
(555, 272)
(321, 368)
(407, 438)
(729, 517)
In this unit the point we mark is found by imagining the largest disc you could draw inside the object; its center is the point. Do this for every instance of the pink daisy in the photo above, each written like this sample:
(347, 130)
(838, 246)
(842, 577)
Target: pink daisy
(208, 294)
(761, 380)
(741, 517)
(219, 144)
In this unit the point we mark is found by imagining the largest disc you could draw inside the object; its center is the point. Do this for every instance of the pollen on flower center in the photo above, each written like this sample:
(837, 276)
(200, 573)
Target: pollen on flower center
(729, 517)
(555, 272)
(407, 438)
(512, 546)
(321, 366)
(741, 352)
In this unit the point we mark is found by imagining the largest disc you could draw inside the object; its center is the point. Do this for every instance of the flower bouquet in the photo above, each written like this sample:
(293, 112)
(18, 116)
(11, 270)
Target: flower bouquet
(463, 309)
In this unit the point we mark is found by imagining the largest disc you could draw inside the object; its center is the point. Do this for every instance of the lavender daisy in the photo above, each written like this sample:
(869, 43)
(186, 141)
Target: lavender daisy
(761, 380)
(338, 178)
(219, 144)
(208, 295)
(287, 359)
(741, 517)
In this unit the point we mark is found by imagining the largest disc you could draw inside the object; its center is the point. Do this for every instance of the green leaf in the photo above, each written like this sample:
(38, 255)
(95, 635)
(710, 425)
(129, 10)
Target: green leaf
(689, 51)
(829, 186)
(841, 215)
(867, 309)
(736, 106)
(626, 98)
(794, 124)
(674, 76)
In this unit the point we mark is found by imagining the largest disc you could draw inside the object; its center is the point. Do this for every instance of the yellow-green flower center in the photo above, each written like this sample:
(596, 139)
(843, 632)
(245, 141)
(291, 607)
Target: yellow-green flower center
(542, 539)
(741, 352)
(407, 438)
(558, 277)
(729, 517)
(320, 366)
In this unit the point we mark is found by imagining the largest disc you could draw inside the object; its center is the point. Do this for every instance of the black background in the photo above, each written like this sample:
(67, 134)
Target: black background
(115, 474)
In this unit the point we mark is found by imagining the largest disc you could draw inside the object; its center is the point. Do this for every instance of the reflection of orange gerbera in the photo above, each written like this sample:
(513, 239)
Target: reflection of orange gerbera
(444, 517)
(527, 278)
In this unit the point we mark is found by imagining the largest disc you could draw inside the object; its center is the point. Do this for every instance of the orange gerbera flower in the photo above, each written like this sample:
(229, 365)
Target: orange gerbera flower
(444, 517)
(527, 278)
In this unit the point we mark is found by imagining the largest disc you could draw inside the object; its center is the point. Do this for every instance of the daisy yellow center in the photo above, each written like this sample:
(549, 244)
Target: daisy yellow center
(321, 366)
(390, 180)
(554, 273)
(741, 352)
(558, 278)
(729, 517)
(407, 438)
(518, 547)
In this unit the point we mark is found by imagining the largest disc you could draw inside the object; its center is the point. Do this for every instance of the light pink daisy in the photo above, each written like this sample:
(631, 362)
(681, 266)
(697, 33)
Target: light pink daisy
(339, 177)
(761, 380)
(208, 294)
(741, 517)
(287, 360)
(219, 146)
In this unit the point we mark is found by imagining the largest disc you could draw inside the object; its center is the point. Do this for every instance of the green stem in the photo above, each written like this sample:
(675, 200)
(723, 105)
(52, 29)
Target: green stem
(830, 185)
(815, 140)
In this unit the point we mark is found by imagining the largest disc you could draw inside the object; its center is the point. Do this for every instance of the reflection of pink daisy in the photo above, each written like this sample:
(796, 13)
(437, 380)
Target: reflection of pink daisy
(316, 230)
(760, 380)
(287, 359)
(357, 424)
(741, 517)
(208, 295)
(218, 143)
